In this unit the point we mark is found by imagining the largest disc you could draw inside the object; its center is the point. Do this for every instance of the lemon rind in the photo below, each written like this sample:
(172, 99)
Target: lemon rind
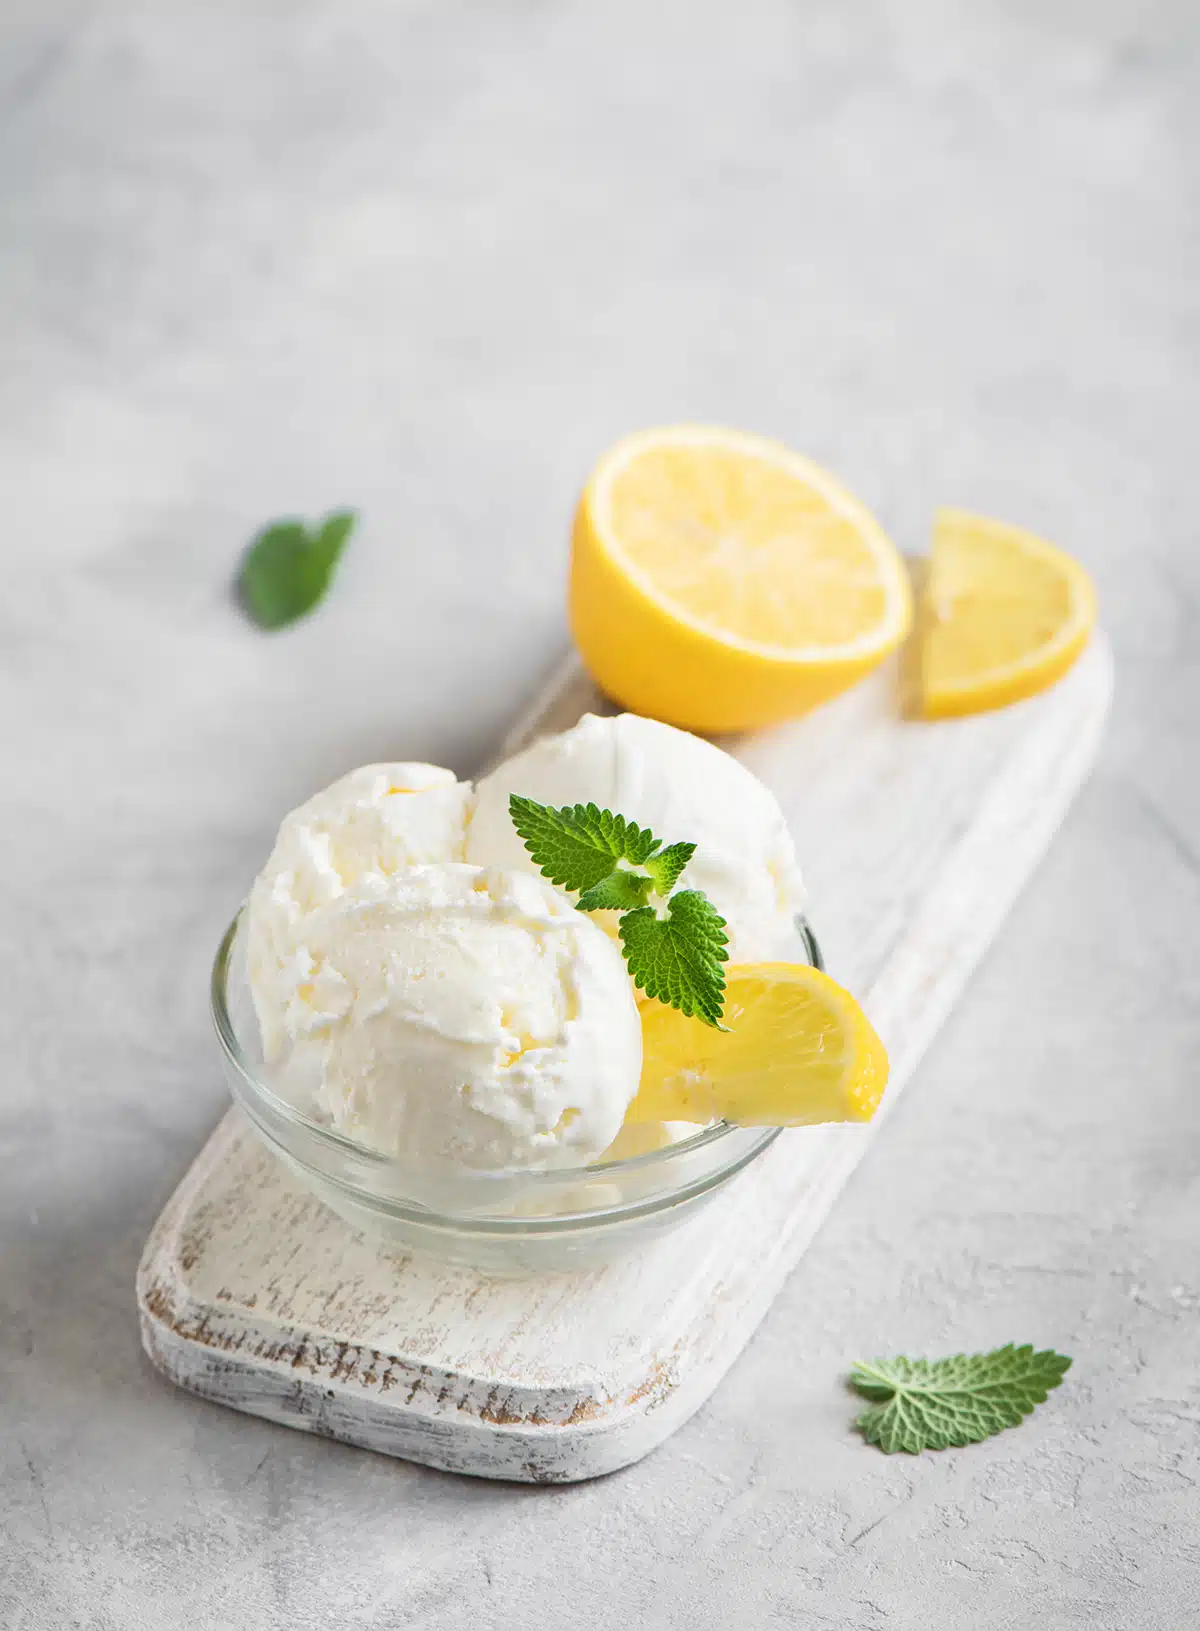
(1026, 676)
(893, 575)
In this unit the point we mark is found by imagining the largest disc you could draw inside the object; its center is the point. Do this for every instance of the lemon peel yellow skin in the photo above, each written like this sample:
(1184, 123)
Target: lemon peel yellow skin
(721, 582)
(1003, 616)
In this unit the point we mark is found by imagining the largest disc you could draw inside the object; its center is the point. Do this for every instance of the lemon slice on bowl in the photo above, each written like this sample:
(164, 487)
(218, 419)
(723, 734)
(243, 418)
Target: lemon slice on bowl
(721, 582)
(799, 1051)
(1003, 615)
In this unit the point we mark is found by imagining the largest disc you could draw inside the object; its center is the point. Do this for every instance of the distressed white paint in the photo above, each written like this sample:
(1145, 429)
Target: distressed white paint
(916, 839)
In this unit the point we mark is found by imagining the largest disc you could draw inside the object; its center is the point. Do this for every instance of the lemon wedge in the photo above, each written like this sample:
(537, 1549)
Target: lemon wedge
(799, 1050)
(720, 581)
(1003, 615)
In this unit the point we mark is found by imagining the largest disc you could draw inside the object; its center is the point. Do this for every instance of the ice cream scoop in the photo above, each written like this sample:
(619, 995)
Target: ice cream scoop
(361, 831)
(679, 786)
(451, 1017)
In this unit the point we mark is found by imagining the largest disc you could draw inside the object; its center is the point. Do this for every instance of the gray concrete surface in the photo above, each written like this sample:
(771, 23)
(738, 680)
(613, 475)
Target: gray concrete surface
(428, 259)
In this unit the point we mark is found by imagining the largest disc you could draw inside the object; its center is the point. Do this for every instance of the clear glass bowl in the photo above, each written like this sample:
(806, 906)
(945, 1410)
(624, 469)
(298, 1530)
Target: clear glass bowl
(504, 1222)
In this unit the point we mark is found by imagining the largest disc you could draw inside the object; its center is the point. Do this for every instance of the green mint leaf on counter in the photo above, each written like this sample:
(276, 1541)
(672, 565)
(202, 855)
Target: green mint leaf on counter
(934, 1404)
(578, 846)
(679, 958)
(289, 566)
(621, 891)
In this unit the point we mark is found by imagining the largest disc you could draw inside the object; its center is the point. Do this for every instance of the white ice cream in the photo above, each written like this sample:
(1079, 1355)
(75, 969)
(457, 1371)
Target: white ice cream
(363, 829)
(449, 1016)
(679, 786)
(359, 832)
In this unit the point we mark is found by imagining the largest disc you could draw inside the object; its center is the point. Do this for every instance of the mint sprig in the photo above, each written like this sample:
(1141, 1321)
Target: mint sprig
(934, 1404)
(674, 943)
(289, 566)
(665, 867)
(678, 958)
(619, 891)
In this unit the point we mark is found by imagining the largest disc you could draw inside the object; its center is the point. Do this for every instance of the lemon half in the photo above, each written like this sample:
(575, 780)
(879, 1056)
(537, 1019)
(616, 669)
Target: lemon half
(720, 581)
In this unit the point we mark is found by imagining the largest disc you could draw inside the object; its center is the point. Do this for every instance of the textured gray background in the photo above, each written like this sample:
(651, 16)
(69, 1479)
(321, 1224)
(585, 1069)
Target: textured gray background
(429, 259)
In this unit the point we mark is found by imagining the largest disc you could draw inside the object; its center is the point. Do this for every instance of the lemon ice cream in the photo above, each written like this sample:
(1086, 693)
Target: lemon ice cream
(679, 786)
(363, 829)
(462, 1017)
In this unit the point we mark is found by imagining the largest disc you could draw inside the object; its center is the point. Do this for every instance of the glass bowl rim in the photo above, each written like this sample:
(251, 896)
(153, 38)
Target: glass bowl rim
(549, 1178)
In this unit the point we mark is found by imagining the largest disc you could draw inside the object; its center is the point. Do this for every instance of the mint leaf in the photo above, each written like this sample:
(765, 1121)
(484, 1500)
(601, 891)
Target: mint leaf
(934, 1404)
(679, 958)
(290, 565)
(619, 892)
(666, 866)
(576, 846)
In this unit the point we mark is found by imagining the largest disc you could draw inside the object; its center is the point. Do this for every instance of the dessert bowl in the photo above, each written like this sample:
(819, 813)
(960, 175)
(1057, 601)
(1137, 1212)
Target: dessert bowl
(501, 1222)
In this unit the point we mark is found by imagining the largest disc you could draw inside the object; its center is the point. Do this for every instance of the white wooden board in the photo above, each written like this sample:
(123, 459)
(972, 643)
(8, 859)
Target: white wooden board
(915, 840)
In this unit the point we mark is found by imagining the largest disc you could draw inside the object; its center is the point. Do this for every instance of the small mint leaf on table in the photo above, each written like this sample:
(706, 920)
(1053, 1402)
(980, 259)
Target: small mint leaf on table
(923, 1404)
(578, 845)
(289, 566)
(665, 867)
(679, 958)
(621, 891)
